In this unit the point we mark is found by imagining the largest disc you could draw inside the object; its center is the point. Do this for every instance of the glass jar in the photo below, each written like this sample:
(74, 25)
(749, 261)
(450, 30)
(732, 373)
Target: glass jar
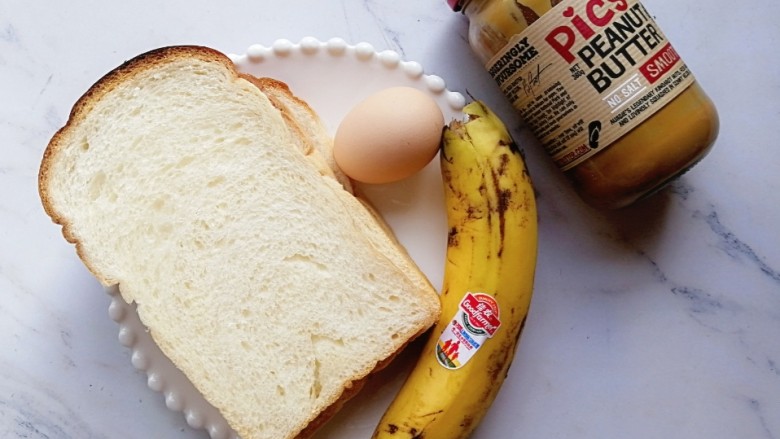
(667, 141)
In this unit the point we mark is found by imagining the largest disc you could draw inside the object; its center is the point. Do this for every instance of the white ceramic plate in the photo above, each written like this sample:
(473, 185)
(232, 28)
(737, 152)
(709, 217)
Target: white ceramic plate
(332, 77)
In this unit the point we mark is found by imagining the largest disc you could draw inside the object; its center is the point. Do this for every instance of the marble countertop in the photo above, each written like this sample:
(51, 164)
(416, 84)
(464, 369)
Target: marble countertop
(659, 321)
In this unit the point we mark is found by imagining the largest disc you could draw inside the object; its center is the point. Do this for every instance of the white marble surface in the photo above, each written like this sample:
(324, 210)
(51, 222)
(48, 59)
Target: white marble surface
(660, 321)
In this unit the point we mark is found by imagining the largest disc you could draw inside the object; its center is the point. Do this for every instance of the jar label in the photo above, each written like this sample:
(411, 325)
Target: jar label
(587, 72)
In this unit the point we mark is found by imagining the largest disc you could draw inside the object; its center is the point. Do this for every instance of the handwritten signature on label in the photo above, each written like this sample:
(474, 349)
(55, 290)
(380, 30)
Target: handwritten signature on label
(532, 81)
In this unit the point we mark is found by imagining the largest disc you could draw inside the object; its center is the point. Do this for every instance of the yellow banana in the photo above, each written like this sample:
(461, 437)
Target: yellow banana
(488, 281)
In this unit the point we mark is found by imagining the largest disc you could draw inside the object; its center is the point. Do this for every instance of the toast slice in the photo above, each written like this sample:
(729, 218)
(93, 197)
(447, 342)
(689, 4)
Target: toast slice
(261, 277)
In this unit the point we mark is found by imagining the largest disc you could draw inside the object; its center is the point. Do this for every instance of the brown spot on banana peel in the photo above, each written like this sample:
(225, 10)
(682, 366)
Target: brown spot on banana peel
(503, 159)
(452, 237)
(484, 108)
(515, 149)
(420, 434)
(503, 199)
(473, 212)
(433, 413)
(407, 432)
(413, 432)
(525, 176)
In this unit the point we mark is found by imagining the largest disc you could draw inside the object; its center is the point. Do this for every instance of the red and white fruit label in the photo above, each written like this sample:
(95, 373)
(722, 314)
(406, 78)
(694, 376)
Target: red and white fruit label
(476, 320)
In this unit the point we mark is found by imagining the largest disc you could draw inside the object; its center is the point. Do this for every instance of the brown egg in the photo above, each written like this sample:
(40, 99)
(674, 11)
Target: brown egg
(390, 135)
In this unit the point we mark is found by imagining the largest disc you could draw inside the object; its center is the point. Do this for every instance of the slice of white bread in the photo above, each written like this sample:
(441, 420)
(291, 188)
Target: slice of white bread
(261, 277)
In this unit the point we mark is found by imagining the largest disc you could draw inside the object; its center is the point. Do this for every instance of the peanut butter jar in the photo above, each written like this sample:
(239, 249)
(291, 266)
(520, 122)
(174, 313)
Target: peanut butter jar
(600, 86)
